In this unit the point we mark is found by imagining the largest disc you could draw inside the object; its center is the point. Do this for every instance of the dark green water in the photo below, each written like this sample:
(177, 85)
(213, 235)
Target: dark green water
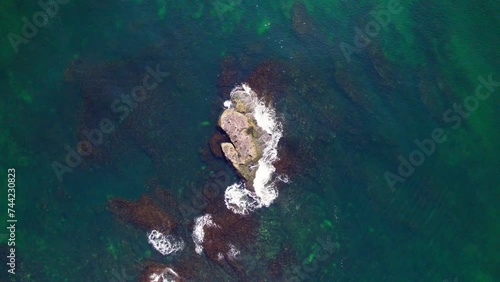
(346, 122)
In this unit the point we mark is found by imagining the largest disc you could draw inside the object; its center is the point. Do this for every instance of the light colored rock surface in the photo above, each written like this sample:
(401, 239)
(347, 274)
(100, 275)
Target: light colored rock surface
(243, 151)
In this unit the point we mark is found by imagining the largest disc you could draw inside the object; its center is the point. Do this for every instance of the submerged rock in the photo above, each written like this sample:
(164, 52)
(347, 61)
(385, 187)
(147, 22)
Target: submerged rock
(143, 213)
(215, 143)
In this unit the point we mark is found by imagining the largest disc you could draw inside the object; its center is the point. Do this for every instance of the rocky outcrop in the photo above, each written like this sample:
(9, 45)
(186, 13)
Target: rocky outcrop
(244, 149)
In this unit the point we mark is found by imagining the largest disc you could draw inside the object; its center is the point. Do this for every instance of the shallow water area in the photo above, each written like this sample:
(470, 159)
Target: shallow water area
(379, 162)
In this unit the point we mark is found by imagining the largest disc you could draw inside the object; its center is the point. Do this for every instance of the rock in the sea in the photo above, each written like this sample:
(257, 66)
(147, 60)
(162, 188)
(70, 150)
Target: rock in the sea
(244, 150)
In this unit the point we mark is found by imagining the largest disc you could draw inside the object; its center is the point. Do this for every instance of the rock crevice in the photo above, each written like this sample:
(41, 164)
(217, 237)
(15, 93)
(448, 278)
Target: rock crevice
(245, 149)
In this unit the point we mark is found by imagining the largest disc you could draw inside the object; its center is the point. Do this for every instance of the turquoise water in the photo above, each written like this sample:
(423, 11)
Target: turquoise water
(347, 120)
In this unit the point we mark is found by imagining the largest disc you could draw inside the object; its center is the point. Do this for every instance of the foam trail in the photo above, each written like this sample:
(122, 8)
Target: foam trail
(237, 198)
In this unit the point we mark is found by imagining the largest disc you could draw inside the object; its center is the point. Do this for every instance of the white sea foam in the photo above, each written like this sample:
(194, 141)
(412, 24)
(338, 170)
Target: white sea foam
(199, 230)
(166, 275)
(165, 244)
(233, 253)
(220, 256)
(240, 200)
(237, 198)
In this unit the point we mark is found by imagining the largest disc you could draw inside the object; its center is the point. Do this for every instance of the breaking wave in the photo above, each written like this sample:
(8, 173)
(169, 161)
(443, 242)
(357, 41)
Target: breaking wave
(199, 231)
(165, 244)
(237, 198)
(233, 253)
(166, 275)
